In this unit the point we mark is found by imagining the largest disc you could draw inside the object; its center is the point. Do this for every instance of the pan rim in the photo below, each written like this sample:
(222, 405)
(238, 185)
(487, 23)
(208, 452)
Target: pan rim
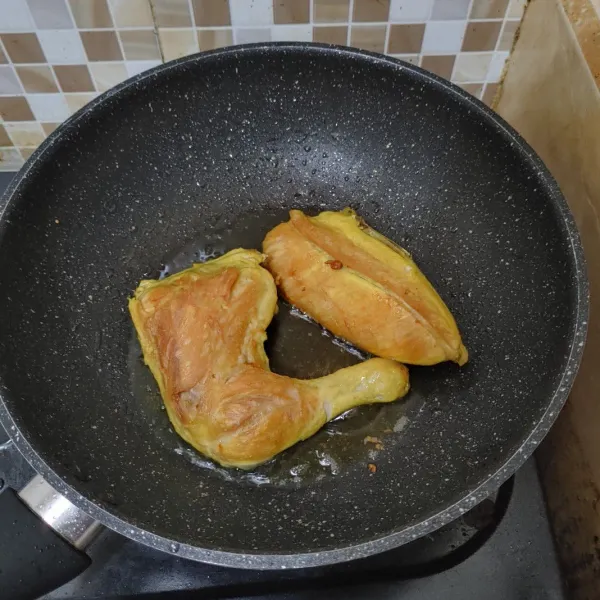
(346, 553)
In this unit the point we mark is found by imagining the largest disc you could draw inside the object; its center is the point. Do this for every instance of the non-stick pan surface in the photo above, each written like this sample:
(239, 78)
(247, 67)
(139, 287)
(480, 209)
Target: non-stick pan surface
(207, 154)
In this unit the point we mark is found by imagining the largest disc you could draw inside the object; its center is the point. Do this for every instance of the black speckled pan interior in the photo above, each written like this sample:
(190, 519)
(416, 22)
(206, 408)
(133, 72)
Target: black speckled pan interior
(206, 154)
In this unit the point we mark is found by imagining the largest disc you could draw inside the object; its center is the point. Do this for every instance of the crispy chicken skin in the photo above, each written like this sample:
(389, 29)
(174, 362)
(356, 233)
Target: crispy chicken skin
(202, 333)
(362, 287)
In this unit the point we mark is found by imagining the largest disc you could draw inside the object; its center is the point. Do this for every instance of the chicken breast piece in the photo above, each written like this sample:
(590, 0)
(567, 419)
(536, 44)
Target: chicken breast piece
(202, 333)
(362, 287)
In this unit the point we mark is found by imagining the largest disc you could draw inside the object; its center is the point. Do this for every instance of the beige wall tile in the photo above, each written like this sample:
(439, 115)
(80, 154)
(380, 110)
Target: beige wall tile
(371, 10)
(481, 36)
(472, 67)
(489, 9)
(331, 11)
(131, 13)
(27, 152)
(515, 9)
(4, 139)
(15, 108)
(331, 35)
(3, 59)
(23, 47)
(406, 39)
(101, 45)
(91, 14)
(209, 39)
(176, 43)
(74, 78)
(107, 75)
(172, 13)
(473, 88)
(368, 37)
(77, 101)
(25, 134)
(440, 65)
(49, 127)
(37, 79)
(413, 59)
(291, 11)
(211, 13)
(507, 36)
(139, 44)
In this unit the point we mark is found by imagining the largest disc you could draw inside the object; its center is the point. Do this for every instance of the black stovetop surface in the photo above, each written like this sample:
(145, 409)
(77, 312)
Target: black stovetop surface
(500, 550)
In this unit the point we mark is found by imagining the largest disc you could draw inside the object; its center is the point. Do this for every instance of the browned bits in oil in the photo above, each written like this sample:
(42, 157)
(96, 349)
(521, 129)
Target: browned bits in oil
(372, 468)
(371, 440)
(336, 265)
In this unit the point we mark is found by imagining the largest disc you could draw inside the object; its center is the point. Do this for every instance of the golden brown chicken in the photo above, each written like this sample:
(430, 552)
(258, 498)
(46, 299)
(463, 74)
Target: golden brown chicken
(202, 333)
(362, 287)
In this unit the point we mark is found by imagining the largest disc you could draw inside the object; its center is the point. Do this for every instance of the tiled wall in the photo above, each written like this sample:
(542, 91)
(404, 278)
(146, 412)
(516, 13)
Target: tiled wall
(56, 55)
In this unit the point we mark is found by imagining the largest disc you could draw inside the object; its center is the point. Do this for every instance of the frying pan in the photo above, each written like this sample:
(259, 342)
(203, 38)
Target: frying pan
(207, 153)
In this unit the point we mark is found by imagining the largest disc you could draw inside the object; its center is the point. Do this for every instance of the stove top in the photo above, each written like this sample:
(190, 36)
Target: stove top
(500, 550)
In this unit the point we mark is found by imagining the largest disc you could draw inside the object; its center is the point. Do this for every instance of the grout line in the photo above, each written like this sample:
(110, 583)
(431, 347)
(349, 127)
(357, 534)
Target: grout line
(195, 26)
(311, 22)
(430, 13)
(13, 68)
(3, 50)
(453, 74)
(231, 11)
(117, 32)
(192, 15)
(87, 63)
(495, 19)
(497, 47)
(155, 29)
(68, 5)
(386, 41)
(496, 50)
(87, 60)
(113, 28)
(55, 78)
(234, 30)
(349, 24)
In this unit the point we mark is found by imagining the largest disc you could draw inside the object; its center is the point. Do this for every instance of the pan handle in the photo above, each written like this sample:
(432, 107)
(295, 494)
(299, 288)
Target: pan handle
(42, 540)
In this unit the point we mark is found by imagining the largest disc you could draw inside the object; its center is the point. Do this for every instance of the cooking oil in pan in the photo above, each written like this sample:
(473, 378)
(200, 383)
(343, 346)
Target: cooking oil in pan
(297, 347)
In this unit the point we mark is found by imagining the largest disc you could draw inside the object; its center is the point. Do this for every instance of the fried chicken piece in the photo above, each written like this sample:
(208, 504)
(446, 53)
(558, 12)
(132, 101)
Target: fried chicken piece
(362, 287)
(202, 333)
